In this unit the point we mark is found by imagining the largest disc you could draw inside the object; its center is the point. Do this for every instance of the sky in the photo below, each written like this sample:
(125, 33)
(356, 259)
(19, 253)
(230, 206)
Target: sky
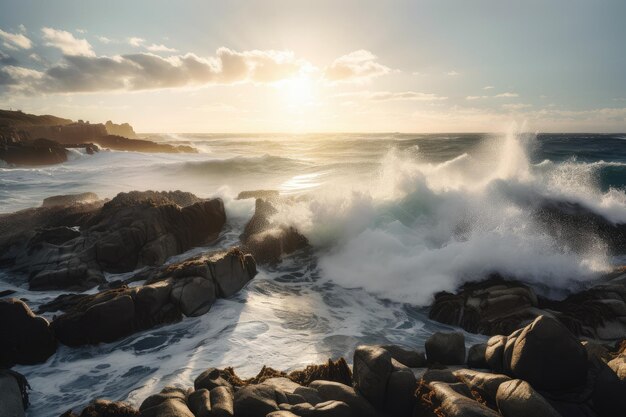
(319, 66)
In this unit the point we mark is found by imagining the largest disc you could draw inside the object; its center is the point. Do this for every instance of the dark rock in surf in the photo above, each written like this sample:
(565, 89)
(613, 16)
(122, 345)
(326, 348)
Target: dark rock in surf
(407, 357)
(33, 152)
(267, 241)
(70, 199)
(329, 390)
(25, 338)
(170, 402)
(131, 231)
(106, 408)
(446, 348)
(12, 402)
(188, 288)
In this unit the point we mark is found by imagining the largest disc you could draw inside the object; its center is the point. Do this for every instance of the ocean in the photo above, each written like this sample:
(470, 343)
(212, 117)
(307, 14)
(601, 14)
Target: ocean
(391, 218)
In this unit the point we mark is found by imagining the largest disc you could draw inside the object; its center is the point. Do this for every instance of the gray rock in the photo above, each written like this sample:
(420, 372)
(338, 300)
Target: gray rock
(476, 356)
(330, 390)
(257, 401)
(290, 388)
(168, 393)
(454, 404)
(171, 407)
(516, 398)
(407, 357)
(324, 409)
(11, 403)
(401, 387)
(484, 383)
(495, 352)
(222, 402)
(446, 348)
(194, 296)
(440, 375)
(210, 379)
(199, 402)
(371, 372)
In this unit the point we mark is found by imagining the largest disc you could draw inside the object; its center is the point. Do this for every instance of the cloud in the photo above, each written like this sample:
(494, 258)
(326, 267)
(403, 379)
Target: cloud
(159, 48)
(104, 39)
(134, 41)
(11, 75)
(506, 95)
(66, 42)
(453, 73)
(516, 106)
(7, 59)
(146, 71)
(357, 66)
(389, 96)
(15, 40)
(488, 87)
(476, 97)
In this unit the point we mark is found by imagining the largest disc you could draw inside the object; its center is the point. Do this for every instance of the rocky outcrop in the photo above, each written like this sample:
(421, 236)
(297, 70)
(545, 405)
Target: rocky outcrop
(24, 337)
(13, 396)
(123, 129)
(33, 152)
(188, 289)
(498, 306)
(446, 348)
(269, 241)
(131, 231)
(70, 199)
(120, 143)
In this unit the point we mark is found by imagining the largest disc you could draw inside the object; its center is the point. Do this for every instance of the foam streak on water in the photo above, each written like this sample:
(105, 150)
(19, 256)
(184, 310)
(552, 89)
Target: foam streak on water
(392, 219)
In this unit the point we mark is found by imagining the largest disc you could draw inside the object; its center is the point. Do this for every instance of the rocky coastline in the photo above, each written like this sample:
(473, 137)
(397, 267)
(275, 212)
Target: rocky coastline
(546, 357)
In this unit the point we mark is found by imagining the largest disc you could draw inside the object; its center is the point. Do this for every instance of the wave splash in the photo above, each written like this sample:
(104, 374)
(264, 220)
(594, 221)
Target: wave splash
(422, 227)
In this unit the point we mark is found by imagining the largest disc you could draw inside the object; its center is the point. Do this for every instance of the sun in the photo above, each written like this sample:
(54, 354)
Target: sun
(298, 91)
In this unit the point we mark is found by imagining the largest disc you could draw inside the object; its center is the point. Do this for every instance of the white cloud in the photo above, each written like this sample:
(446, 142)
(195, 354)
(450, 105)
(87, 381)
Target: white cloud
(488, 87)
(476, 97)
(66, 42)
(452, 73)
(393, 96)
(506, 95)
(15, 40)
(357, 66)
(516, 106)
(104, 39)
(134, 41)
(159, 48)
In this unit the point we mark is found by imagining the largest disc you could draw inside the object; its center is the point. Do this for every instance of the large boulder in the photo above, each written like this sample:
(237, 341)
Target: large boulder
(446, 348)
(11, 398)
(257, 400)
(169, 403)
(106, 408)
(222, 402)
(516, 398)
(199, 403)
(544, 353)
(131, 231)
(486, 384)
(330, 390)
(455, 404)
(618, 365)
(24, 337)
(407, 357)
(384, 382)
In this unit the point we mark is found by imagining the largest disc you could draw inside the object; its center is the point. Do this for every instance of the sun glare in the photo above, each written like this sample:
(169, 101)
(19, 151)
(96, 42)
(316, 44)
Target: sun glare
(298, 91)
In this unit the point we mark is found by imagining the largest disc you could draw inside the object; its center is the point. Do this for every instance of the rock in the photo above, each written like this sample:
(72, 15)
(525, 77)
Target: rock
(106, 408)
(476, 356)
(268, 241)
(618, 365)
(210, 379)
(496, 306)
(222, 402)
(609, 392)
(439, 375)
(287, 386)
(199, 402)
(407, 357)
(324, 409)
(33, 152)
(193, 296)
(172, 407)
(485, 384)
(329, 390)
(281, 413)
(372, 369)
(25, 338)
(70, 199)
(258, 194)
(446, 348)
(11, 400)
(548, 356)
(401, 387)
(131, 231)
(166, 394)
(256, 401)
(454, 404)
(516, 398)
(494, 353)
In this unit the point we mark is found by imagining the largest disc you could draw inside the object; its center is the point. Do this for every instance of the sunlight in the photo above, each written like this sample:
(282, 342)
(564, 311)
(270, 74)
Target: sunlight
(297, 91)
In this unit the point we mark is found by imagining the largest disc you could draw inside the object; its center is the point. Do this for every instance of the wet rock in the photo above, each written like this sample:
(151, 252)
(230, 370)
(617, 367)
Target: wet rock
(222, 402)
(401, 386)
(256, 401)
(166, 394)
(324, 409)
(256, 194)
(608, 397)
(439, 375)
(454, 404)
(516, 398)
(485, 384)
(106, 408)
(267, 241)
(289, 387)
(476, 356)
(131, 231)
(209, 379)
(172, 407)
(24, 337)
(199, 402)
(618, 365)
(407, 357)
(11, 401)
(329, 390)
(33, 152)
(372, 369)
(193, 296)
(446, 348)
(548, 356)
